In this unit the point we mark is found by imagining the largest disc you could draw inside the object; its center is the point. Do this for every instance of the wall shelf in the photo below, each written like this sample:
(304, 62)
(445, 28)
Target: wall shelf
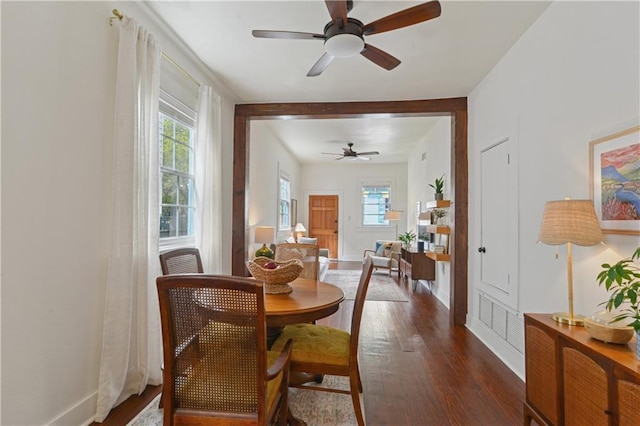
(438, 204)
(439, 257)
(439, 233)
(438, 229)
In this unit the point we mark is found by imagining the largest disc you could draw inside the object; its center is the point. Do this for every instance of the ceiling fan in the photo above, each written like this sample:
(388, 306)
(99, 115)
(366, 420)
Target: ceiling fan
(351, 154)
(344, 37)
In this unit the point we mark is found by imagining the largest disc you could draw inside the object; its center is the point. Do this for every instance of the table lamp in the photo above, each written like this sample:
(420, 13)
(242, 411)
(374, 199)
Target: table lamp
(298, 230)
(265, 235)
(393, 215)
(570, 222)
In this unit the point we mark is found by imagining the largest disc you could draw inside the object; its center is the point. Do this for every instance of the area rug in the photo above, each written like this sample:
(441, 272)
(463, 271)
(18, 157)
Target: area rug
(381, 287)
(315, 408)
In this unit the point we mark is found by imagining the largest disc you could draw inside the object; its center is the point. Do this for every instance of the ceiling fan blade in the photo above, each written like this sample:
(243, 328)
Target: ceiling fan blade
(330, 153)
(320, 65)
(338, 11)
(404, 18)
(380, 57)
(369, 153)
(286, 35)
(340, 158)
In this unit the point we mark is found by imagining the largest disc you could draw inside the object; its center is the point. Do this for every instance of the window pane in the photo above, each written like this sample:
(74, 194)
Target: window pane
(375, 202)
(185, 191)
(169, 189)
(184, 219)
(167, 152)
(182, 134)
(167, 127)
(183, 157)
(168, 222)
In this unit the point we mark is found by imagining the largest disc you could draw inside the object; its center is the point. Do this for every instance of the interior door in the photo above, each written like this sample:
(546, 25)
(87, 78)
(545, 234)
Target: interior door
(498, 226)
(323, 222)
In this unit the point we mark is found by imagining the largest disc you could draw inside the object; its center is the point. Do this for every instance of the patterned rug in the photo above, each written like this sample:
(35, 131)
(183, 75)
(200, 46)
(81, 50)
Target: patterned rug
(315, 408)
(381, 287)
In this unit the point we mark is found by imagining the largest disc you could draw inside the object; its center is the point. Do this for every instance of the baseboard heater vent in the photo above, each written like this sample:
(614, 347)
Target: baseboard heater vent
(505, 324)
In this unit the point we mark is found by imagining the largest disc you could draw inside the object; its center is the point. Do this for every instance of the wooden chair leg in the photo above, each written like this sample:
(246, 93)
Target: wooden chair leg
(356, 398)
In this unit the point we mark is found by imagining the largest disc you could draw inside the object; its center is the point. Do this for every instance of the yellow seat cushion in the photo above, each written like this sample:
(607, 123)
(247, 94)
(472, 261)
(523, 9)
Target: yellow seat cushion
(316, 344)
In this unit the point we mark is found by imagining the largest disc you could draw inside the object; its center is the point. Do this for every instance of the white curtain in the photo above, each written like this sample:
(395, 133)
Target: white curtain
(208, 177)
(132, 340)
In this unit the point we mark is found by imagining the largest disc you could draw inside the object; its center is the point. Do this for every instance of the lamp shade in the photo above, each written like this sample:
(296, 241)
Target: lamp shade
(392, 215)
(265, 234)
(424, 216)
(570, 221)
(299, 228)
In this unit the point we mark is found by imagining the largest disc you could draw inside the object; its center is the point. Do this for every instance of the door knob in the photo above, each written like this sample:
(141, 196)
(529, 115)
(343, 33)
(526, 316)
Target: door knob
(482, 250)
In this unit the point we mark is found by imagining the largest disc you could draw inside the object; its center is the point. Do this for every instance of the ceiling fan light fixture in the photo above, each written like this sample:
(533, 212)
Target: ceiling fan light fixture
(344, 45)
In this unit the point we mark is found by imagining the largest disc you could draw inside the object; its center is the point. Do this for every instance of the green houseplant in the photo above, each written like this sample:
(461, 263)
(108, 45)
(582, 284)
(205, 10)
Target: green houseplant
(407, 238)
(438, 185)
(623, 281)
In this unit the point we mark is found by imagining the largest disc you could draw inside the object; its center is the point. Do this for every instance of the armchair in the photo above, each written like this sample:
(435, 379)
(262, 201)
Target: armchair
(386, 255)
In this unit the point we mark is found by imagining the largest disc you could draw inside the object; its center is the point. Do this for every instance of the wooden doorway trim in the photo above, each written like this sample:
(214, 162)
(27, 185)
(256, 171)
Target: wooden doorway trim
(456, 108)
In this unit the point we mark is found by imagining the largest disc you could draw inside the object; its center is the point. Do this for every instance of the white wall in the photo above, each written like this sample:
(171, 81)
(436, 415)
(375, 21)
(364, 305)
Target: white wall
(58, 85)
(436, 145)
(267, 158)
(572, 78)
(346, 182)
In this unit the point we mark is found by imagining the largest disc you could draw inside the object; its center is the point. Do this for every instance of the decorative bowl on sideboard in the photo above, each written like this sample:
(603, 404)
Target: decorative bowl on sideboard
(609, 333)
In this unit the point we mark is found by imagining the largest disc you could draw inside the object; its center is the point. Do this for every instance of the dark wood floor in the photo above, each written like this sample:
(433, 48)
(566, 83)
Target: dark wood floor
(417, 369)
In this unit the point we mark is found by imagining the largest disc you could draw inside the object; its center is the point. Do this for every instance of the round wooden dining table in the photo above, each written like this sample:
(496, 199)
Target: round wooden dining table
(310, 300)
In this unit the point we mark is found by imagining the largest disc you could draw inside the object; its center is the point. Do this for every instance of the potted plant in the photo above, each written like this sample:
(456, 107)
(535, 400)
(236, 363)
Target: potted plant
(407, 238)
(623, 280)
(438, 185)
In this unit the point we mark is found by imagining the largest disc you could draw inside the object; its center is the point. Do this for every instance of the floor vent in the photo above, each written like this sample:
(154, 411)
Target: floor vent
(504, 323)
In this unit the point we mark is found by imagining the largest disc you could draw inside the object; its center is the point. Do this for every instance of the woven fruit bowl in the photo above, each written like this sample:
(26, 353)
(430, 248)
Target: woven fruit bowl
(276, 280)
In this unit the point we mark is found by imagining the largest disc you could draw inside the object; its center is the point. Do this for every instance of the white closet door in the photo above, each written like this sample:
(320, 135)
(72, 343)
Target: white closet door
(498, 224)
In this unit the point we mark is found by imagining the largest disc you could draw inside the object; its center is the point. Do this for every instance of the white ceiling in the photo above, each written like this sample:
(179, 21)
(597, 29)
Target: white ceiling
(441, 58)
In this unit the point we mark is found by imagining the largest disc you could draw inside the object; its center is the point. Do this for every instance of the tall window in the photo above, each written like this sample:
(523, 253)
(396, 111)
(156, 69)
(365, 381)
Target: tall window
(375, 202)
(177, 176)
(285, 202)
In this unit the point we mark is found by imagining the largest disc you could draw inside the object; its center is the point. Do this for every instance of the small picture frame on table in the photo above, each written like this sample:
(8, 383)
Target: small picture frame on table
(444, 242)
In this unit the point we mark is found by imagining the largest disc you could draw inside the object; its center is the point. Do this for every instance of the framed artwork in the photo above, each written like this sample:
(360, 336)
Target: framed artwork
(294, 212)
(615, 181)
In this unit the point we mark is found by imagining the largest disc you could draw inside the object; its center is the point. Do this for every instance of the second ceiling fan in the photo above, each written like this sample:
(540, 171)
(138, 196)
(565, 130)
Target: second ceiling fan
(344, 37)
(351, 154)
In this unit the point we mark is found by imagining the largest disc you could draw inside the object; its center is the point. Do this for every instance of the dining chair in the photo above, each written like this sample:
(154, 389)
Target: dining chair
(181, 261)
(323, 350)
(219, 373)
(307, 253)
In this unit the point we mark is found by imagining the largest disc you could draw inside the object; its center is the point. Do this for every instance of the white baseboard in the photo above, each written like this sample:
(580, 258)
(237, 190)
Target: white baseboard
(504, 351)
(83, 413)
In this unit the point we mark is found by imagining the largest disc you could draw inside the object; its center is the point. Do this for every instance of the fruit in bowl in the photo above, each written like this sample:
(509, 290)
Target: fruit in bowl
(270, 265)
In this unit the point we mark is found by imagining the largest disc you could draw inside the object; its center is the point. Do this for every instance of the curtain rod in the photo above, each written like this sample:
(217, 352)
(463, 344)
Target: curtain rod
(118, 15)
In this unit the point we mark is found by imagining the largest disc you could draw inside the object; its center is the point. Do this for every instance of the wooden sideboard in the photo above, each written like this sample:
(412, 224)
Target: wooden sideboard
(416, 265)
(572, 379)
